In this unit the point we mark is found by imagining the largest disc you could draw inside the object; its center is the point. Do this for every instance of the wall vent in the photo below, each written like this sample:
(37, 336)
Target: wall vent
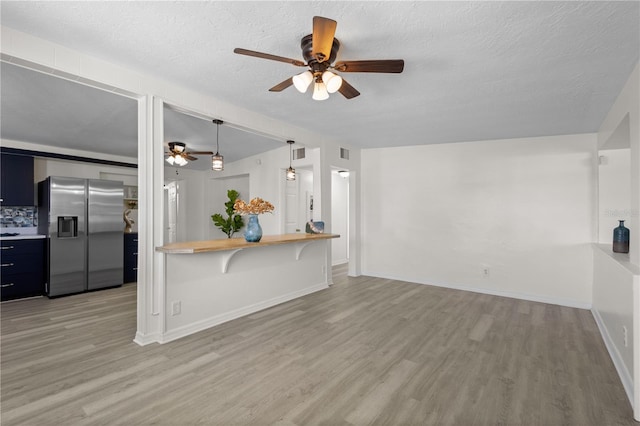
(298, 153)
(344, 153)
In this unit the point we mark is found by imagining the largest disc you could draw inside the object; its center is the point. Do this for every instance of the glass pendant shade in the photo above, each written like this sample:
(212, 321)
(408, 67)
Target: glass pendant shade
(302, 81)
(171, 160)
(291, 173)
(320, 92)
(217, 162)
(331, 81)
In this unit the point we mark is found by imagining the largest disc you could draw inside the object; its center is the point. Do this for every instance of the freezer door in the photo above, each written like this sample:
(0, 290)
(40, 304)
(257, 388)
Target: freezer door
(105, 234)
(65, 198)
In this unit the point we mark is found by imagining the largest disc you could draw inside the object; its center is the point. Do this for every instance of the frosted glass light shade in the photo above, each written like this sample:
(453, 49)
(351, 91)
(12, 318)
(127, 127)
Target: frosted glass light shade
(291, 173)
(320, 92)
(171, 160)
(180, 161)
(332, 81)
(302, 81)
(217, 162)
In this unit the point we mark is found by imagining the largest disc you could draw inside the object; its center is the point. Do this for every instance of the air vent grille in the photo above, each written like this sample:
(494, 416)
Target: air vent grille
(298, 153)
(344, 153)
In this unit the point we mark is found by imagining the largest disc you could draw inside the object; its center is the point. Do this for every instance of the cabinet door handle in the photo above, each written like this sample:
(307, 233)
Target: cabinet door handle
(7, 285)
(7, 264)
(135, 269)
(135, 254)
(135, 240)
(7, 247)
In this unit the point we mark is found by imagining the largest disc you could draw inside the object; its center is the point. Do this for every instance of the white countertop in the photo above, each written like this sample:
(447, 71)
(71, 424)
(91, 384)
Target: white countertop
(23, 237)
(26, 233)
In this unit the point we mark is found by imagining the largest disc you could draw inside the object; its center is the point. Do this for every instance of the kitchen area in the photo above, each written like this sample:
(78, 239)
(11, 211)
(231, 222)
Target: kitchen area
(68, 187)
(63, 235)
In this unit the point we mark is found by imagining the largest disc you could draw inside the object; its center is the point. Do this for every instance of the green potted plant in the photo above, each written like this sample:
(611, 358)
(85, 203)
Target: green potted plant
(233, 222)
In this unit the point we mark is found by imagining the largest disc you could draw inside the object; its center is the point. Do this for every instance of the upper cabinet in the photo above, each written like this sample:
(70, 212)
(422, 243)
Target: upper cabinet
(16, 184)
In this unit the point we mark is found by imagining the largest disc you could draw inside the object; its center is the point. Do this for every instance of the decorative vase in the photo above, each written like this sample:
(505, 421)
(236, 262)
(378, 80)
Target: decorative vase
(621, 238)
(253, 233)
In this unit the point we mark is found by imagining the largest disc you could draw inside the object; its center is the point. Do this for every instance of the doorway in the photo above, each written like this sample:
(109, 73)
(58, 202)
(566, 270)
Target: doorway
(340, 216)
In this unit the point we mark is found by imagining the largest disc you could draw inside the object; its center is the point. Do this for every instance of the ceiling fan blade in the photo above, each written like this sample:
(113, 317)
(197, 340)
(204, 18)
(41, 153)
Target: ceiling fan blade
(199, 153)
(382, 65)
(324, 29)
(295, 62)
(347, 90)
(281, 86)
(190, 158)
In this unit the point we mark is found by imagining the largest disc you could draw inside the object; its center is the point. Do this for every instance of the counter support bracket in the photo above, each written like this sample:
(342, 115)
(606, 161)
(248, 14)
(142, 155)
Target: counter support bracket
(227, 258)
(300, 247)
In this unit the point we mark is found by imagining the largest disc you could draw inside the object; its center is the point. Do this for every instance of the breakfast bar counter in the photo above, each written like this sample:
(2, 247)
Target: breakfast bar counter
(210, 282)
(239, 243)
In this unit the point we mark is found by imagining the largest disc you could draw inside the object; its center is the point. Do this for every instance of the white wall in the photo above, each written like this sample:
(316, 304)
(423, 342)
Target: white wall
(613, 306)
(523, 208)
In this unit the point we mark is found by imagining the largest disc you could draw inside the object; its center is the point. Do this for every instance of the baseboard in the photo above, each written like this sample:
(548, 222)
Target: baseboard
(146, 339)
(512, 295)
(231, 315)
(621, 368)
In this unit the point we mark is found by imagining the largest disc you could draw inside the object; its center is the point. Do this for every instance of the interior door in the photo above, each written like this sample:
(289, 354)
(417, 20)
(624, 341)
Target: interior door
(291, 207)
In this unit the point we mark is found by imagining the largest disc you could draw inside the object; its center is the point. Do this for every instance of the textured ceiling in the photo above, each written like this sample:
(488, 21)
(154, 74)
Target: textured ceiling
(473, 70)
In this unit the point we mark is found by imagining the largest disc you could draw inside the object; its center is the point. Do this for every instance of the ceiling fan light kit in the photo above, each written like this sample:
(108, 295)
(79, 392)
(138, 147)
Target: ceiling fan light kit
(302, 81)
(332, 81)
(319, 50)
(320, 92)
(177, 154)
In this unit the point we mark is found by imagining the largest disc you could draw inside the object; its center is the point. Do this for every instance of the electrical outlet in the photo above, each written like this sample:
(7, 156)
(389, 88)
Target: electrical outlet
(624, 336)
(176, 308)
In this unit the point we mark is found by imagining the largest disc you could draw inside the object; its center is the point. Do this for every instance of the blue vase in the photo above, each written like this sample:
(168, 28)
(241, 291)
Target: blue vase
(253, 233)
(621, 238)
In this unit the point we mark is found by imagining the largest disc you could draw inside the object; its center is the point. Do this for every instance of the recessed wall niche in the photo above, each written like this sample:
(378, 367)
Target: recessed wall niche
(614, 181)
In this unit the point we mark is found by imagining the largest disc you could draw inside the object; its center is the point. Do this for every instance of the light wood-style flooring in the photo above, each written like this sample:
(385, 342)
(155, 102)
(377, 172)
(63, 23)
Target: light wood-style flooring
(366, 351)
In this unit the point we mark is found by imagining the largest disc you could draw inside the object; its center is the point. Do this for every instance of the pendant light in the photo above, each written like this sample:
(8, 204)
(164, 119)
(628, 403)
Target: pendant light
(217, 160)
(291, 172)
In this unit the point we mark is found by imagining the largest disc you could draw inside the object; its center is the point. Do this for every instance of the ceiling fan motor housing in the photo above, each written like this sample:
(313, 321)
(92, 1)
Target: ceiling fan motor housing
(307, 46)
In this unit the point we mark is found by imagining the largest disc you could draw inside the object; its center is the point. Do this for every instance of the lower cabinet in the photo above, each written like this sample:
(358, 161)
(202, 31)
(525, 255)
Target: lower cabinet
(22, 271)
(130, 258)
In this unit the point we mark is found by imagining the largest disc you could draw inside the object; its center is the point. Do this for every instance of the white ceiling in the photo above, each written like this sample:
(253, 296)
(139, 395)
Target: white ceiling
(473, 70)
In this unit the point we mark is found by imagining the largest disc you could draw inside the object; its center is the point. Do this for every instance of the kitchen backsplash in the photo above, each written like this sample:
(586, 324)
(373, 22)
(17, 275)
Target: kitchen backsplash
(18, 217)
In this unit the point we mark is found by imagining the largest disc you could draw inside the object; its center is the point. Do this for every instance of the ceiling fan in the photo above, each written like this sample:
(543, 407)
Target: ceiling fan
(319, 50)
(179, 155)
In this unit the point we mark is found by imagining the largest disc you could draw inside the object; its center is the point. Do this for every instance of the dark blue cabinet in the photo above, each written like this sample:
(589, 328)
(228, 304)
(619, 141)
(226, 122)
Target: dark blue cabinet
(16, 180)
(23, 264)
(130, 258)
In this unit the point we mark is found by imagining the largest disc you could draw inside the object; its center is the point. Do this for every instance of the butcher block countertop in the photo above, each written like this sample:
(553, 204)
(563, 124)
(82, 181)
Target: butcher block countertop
(191, 247)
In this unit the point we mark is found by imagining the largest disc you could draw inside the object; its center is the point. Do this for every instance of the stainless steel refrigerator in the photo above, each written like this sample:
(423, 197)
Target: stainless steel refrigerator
(82, 219)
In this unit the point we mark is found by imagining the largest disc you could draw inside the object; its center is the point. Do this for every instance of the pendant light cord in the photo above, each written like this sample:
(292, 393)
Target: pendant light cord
(217, 138)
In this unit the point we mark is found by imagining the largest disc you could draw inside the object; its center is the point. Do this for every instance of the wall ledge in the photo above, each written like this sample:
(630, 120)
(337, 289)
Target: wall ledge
(620, 258)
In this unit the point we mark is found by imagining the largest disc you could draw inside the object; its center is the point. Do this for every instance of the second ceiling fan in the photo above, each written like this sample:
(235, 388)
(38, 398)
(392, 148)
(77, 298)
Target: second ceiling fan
(319, 50)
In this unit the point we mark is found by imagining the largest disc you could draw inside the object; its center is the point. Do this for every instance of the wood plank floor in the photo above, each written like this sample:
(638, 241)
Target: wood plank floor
(366, 351)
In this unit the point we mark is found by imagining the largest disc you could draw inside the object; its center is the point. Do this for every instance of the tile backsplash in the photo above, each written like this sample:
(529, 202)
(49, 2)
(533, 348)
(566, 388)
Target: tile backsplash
(18, 217)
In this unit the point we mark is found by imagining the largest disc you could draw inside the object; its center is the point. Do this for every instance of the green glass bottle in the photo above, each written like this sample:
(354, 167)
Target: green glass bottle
(621, 238)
